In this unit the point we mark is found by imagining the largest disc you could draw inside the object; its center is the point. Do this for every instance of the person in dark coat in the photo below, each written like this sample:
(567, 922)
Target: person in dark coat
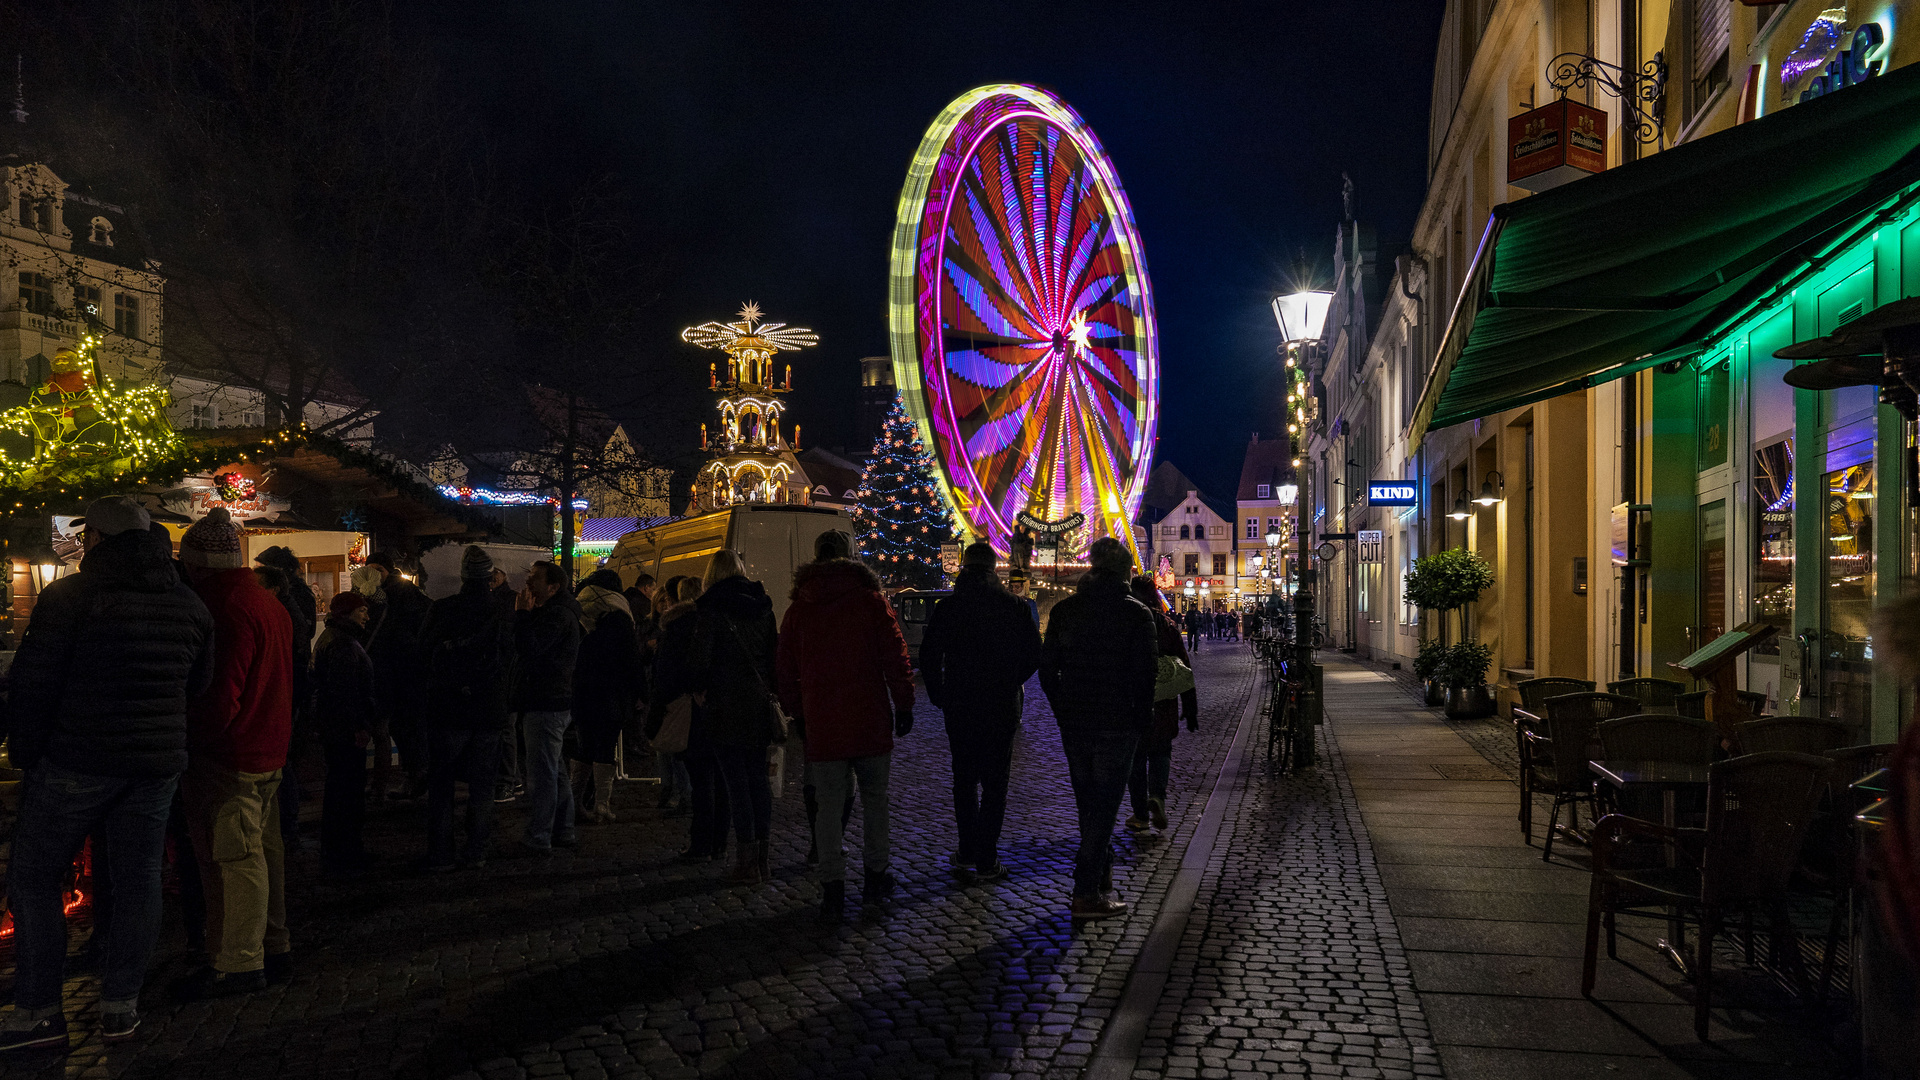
(463, 650)
(1191, 620)
(730, 662)
(1099, 661)
(673, 689)
(98, 720)
(846, 679)
(980, 647)
(546, 649)
(607, 683)
(1153, 759)
(280, 573)
(344, 708)
(395, 651)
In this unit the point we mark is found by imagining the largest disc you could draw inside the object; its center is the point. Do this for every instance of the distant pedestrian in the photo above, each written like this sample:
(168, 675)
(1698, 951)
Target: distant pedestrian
(395, 649)
(464, 650)
(845, 677)
(97, 717)
(980, 648)
(1098, 664)
(546, 636)
(676, 784)
(297, 597)
(607, 683)
(344, 715)
(640, 596)
(237, 735)
(696, 760)
(730, 663)
(1153, 758)
(1192, 620)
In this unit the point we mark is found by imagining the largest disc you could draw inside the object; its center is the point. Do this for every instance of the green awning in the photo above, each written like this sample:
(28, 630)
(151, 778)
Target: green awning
(1643, 263)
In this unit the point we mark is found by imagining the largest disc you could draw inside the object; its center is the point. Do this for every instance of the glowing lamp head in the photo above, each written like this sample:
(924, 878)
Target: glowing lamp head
(1460, 512)
(1302, 315)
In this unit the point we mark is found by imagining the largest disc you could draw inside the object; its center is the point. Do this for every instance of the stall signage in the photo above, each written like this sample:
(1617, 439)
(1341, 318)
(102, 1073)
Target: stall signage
(1044, 528)
(1560, 141)
(235, 489)
(1371, 545)
(1392, 495)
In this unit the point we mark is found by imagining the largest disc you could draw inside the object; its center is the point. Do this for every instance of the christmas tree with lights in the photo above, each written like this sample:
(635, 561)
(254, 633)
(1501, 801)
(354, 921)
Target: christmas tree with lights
(901, 517)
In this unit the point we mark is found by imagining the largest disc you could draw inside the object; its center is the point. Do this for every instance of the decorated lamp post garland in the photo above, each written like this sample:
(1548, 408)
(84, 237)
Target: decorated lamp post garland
(901, 517)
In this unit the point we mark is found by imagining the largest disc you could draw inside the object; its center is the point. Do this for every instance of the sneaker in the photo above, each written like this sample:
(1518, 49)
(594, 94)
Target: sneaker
(995, 873)
(279, 968)
(210, 983)
(1096, 907)
(964, 864)
(25, 1031)
(119, 1024)
(504, 795)
(1157, 808)
(1138, 824)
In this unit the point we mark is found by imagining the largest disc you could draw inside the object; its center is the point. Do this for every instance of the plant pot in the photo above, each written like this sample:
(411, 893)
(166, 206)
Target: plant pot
(1436, 694)
(1469, 702)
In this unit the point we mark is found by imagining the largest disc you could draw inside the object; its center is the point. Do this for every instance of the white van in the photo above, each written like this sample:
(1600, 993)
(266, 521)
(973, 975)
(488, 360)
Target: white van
(773, 540)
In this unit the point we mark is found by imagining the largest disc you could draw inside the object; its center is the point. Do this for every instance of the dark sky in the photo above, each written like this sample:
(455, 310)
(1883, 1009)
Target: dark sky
(762, 149)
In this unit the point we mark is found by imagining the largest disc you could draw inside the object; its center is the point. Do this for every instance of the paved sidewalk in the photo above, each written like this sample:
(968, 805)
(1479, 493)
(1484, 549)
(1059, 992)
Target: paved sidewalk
(1494, 936)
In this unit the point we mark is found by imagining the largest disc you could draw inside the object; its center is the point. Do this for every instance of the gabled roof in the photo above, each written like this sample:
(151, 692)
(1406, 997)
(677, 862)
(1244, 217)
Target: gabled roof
(1267, 462)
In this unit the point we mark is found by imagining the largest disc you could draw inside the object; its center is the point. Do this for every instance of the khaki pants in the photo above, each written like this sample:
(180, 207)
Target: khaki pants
(233, 819)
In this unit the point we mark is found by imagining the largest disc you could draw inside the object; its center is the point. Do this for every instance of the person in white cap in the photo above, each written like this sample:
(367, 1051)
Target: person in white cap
(98, 711)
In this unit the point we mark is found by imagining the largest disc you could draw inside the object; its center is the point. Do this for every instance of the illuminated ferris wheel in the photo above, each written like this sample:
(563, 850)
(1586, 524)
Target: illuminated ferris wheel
(1021, 318)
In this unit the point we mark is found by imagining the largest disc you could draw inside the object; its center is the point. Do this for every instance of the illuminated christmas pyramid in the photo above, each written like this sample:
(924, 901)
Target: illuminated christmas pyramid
(752, 462)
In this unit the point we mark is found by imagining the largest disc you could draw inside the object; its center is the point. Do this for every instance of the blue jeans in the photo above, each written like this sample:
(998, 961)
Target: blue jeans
(460, 755)
(1098, 763)
(60, 806)
(832, 782)
(549, 788)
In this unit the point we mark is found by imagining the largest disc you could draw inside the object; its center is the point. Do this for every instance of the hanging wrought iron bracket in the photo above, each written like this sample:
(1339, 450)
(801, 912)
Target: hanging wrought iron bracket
(1643, 93)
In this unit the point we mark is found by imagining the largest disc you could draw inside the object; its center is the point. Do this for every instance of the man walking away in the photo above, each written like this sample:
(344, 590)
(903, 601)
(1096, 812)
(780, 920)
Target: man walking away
(546, 645)
(297, 598)
(395, 650)
(730, 663)
(463, 649)
(1153, 759)
(237, 738)
(1098, 664)
(344, 712)
(98, 721)
(845, 676)
(980, 648)
(607, 684)
(706, 793)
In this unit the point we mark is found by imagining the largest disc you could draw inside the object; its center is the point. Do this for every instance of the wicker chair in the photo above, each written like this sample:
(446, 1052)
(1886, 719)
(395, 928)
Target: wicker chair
(1529, 717)
(1838, 830)
(1758, 806)
(1653, 693)
(1561, 770)
(1694, 703)
(1794, 734)
(1655, 737)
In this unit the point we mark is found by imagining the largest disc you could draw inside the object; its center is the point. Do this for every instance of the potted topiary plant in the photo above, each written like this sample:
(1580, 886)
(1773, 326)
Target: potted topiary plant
(1449, 581)
(1426, 668)
(1464, 671)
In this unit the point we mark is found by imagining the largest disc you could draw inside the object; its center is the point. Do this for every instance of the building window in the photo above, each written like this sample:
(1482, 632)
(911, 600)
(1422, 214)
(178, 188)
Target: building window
(33, 214)
(36, 293)
(101, 232)
(1253, 528)
(1273, 525)
(1217, 531)
(1193, 562)
(251, 418)
(86, 298)
(1711, 33)
(1263, 491)
(203, 416)
(1167, 531)
(126, 315)
(1219, 566)
(1186, 532)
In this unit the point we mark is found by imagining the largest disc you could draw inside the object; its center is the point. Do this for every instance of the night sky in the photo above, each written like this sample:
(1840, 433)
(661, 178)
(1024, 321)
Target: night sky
(761, 150)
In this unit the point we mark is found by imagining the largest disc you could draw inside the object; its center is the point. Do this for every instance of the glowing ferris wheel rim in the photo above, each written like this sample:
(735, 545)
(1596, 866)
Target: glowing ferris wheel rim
(1022, 327)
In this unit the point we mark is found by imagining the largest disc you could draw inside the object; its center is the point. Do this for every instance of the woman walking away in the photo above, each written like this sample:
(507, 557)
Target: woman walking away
(674, 715)
(344, 714)
(676, 779)
(731, 663)
(606, 686)
(1153, 758)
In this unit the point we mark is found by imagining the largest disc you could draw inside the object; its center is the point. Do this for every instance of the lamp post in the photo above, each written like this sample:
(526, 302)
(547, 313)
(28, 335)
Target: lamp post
(1301, 317)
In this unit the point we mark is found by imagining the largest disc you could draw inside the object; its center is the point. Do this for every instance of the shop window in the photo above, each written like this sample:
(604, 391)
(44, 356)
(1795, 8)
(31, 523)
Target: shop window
(1712, 607)
(1846, 595)
(1773, 539)
(1219, 566)
(1714, 412)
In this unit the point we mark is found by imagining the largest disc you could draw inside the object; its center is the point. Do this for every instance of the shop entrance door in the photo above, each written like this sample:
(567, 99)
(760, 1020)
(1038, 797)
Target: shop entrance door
(1845, 650)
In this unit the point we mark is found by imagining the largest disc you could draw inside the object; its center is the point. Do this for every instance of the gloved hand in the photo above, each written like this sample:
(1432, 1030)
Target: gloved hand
(902, 722)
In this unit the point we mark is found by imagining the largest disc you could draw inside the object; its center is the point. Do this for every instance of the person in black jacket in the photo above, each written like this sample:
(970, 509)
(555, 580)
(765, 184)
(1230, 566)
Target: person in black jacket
(706, 793)
(297, 597)
(98, 719)
(463, 650)
(980, 647)
(1153, 758)
(546, 646)
(730, 663)
(1098, 665)
(606, 687)
(395, 650)
(343, 713)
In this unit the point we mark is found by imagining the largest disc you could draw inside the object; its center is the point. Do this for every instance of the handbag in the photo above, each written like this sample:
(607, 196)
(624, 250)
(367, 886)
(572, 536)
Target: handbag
(1173, 679)
(779, 727)
(675, 726)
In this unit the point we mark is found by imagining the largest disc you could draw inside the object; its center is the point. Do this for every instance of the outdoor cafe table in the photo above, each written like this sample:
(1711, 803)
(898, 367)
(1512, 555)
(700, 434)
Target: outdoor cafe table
(1667, 777)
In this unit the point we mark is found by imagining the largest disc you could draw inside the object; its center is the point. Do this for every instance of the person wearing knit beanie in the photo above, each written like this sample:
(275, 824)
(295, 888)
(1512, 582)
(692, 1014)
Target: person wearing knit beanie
(213, 543)
(345, 604)
(475, 564)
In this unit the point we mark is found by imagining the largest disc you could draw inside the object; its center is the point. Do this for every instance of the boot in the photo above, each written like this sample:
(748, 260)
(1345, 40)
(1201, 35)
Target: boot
(582, 780)
(746, 863)
(833, 901)
(603, 793)
(763, 859)
(879, 888)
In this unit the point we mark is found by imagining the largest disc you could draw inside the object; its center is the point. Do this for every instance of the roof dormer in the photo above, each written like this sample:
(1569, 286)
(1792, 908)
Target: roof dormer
(36, 202)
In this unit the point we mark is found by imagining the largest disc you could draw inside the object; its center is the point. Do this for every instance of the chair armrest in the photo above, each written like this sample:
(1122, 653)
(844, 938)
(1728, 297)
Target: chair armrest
(1614, 830)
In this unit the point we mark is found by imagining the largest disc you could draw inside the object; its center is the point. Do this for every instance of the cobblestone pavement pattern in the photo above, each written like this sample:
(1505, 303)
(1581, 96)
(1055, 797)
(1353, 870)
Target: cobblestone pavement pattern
(616, 961)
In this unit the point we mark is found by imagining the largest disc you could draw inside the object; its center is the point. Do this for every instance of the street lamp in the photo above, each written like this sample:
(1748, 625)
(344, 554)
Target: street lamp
(1487, 496)
(1460, 511)
(1302, 317)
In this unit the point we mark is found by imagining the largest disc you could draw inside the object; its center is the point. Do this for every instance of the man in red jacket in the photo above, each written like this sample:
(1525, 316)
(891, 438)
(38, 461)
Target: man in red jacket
(845, 679)
(237, 736)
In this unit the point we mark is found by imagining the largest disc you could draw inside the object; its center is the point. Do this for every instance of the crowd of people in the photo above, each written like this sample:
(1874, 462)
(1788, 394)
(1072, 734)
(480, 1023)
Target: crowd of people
(155, 697)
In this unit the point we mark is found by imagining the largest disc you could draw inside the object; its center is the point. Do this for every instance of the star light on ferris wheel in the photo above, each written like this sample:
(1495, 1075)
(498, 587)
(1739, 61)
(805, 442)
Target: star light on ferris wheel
(749, 332)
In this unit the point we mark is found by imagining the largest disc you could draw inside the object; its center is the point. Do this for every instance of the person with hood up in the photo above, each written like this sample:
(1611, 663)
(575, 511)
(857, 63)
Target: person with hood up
(980, 648)
(463, 650)
(607, 683)
(98, 719)
(730, 662)
(1099, 661)
(237, 741)
(343, 713)
(1153, 758)
(546, 648)
(706, 792)
(395, 649)
(846, 679)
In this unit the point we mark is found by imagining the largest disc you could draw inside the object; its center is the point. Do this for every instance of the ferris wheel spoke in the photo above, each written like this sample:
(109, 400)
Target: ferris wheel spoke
(991, 241)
